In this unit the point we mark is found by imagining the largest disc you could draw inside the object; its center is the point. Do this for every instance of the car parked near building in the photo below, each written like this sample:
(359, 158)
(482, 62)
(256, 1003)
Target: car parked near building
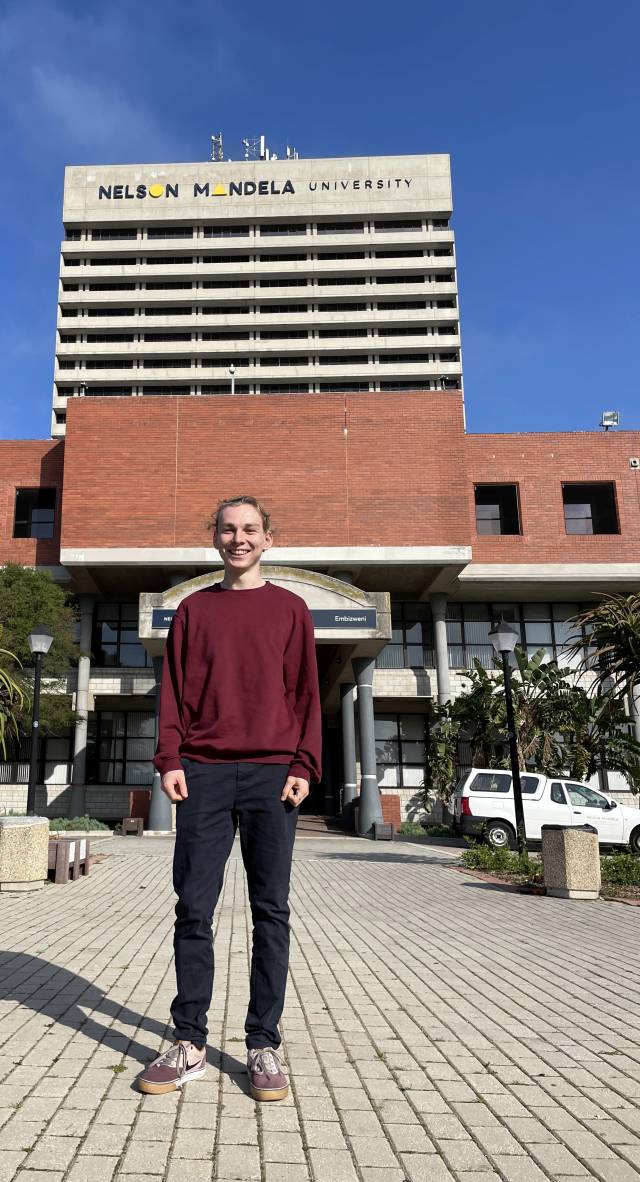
(483, 806)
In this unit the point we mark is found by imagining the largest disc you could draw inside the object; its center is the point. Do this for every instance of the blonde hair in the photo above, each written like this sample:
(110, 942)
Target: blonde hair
(243, 500)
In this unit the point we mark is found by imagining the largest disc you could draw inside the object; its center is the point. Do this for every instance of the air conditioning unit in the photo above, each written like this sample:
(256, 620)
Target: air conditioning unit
(634, 461)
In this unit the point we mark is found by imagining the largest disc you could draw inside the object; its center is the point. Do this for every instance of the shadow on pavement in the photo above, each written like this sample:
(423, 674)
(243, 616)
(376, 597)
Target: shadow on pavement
(379, 856)
(63, 997)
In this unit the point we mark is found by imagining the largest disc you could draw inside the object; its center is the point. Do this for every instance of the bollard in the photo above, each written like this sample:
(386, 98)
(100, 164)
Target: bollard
(571, 861)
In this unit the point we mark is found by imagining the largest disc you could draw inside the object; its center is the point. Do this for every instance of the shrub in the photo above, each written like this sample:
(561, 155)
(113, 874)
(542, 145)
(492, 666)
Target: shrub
(620, 870)
(84, 823)
(502, 863)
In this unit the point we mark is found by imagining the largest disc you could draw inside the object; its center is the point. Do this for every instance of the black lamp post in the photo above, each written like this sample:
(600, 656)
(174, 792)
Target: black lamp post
(40, 641)
(504, 639)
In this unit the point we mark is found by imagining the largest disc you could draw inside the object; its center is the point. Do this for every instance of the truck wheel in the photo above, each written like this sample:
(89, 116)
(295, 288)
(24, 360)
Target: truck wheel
(500, 836)
(634, 841)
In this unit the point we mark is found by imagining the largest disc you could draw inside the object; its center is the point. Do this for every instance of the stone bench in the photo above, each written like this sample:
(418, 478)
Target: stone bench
(68, 858)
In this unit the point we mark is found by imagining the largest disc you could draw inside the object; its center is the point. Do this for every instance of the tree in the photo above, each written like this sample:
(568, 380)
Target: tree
(613, 628)
(29, 597)
(560, 728)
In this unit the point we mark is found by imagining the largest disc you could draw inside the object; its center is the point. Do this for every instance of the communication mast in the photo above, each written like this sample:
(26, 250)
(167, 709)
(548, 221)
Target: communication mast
(217, 152)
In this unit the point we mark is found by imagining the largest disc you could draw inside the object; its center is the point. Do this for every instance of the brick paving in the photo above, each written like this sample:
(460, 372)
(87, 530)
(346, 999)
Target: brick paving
(436, 1029)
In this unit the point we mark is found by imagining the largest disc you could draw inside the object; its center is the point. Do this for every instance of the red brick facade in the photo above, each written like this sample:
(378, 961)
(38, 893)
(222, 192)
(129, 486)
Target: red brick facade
(29, 464)
(336, 470)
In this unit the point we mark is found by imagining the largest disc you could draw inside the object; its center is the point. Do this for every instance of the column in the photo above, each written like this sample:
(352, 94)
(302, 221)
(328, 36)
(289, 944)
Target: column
(439, 614)
(348, 727)
(370, 807)
(78, 795)
(160, 813)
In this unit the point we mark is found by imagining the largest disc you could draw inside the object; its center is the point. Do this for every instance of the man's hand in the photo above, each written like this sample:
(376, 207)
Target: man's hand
(175, 785)
(295, 790)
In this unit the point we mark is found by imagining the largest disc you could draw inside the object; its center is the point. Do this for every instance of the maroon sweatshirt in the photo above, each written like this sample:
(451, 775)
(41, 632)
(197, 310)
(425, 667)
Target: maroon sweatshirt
(240, 682)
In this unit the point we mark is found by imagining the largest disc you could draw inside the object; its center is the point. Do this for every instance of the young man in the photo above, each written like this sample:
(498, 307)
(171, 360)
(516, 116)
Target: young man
(239, 741)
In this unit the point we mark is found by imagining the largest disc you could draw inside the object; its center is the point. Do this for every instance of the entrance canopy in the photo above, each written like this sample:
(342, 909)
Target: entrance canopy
(357, 623)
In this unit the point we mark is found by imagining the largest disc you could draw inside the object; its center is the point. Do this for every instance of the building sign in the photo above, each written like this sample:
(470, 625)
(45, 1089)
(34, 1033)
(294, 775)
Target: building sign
(343, 618)
(263, 188)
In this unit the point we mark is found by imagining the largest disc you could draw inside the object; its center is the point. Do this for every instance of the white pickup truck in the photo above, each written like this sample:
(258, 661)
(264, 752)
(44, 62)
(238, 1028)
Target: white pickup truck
(483, 807)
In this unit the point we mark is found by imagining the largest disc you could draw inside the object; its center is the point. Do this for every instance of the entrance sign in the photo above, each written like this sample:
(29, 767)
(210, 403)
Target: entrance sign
(344, 618)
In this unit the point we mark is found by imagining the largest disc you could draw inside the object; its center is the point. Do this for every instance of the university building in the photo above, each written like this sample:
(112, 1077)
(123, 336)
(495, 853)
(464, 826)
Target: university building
(291, 329)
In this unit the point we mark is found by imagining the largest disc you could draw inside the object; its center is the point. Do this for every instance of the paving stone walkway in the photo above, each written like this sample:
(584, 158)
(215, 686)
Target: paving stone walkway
(436, 1029)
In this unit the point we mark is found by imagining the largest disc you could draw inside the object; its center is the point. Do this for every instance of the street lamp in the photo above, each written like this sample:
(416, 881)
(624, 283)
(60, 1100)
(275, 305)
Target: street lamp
(504, 639)
(40, 641)
(232, 375)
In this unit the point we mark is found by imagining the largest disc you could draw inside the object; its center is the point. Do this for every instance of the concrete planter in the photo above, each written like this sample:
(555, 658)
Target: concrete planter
(571, 862)
(24, 845)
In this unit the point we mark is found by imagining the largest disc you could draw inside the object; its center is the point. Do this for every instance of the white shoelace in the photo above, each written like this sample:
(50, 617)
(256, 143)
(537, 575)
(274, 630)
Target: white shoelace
(265, 1062)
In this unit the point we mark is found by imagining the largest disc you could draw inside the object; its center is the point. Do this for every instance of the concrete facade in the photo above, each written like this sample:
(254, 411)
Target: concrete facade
(305, 275)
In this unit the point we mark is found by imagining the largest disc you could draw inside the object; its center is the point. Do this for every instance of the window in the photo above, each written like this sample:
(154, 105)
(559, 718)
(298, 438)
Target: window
(224, 309)
(65, 363)
(590, 508)
(115, 637)
(340, 280)
(343, 387)
(282, 258)
(403, 358)
(109, 312)
(224, 388)
(283, 308)
(340, 227)
(283, 281)
(169, 391)
(172, 285)
(226, 283)
(160, 311)
(73, 235)
(112, 235)
(412, 330)
(445, 277)
(288, 359)
(104, 261)
(491, 782)
(557, 794)
(166, 336)
(424, 384)
(411, 644)
(103, 338)
(529, 784)
(356, 307)
(344, 359)
(34, 514)
(232, 334)
(400, 305)
(168, 260)
(447, 330)
(497, 508)
(445, 303)
(582, 797)
(401, 279)
(541, 626)
(167, 363)
(400, 749)
(398, 254)
(109, 363)
(340, 254)
(341, 332)
(226, 231)
(442, 252)
(284, 228)
(287, 334)
(449, 357)
(120, 747)
(391, 227)
(440, 224)
(67, 338)
(111, 287)
(282, 388)
(171, 232)
(229, 258)
(70, 311)
(108, 391)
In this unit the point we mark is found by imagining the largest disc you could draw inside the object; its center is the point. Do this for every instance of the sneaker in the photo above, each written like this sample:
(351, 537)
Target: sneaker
(266, 1078)
(181, 1063)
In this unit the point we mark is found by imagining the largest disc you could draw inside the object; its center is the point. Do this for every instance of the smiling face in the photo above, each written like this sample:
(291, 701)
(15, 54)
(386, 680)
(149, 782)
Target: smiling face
(240, 538)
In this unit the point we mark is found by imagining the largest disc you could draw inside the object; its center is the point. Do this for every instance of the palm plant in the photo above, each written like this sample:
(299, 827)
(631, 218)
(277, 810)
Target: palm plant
(613, 628)
(12, 700)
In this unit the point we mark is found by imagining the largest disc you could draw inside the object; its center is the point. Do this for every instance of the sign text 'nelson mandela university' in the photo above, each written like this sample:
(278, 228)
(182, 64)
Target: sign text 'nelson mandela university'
(248, 188)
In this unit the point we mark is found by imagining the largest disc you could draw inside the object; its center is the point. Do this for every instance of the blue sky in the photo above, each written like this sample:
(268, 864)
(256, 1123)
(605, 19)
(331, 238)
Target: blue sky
(536, 102)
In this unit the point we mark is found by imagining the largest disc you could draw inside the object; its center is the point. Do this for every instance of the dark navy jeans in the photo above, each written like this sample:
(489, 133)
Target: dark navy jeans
(222, 798)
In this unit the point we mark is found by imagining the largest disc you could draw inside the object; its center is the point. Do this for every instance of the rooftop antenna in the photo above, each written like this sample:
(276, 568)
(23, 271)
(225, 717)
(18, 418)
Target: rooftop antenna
(291, 153)
(251, 147)
(216, 147)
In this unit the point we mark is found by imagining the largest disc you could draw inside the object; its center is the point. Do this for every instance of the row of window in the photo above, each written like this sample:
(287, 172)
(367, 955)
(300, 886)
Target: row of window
(172, 260)
(233, 309)
(118, 362)
(298, 387)
(276, 334)
(318, 281)
(544, 626)
(265, 230)
(589, 508)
